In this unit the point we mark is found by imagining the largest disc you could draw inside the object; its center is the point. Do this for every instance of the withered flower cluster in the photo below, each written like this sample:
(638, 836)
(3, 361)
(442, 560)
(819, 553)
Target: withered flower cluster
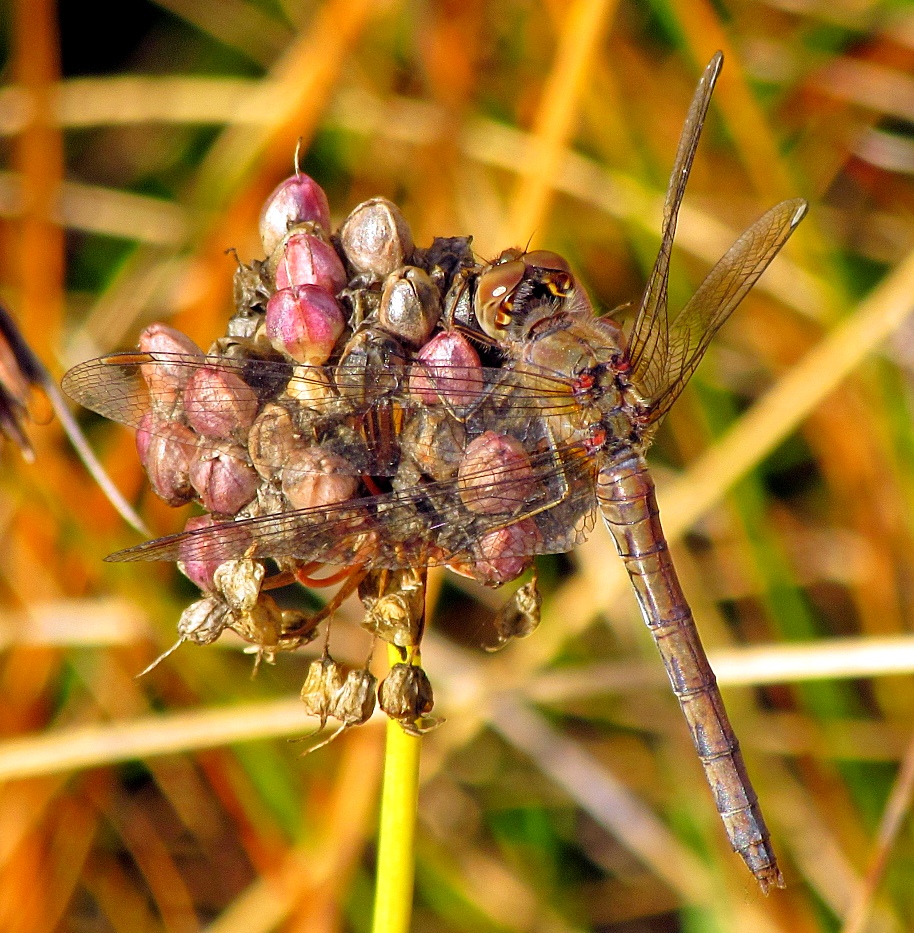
(257, 426)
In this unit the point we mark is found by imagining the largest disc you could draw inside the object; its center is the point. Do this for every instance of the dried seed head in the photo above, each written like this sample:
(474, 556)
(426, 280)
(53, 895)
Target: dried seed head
(305, 323)
(238, 583)
(322, 685)
(406, 694)
(313, 478)
(376, 238)
(271, 440)
(218, 403)
(495, 475)
(199, 572)
(223, 478)
(204, 621)
(167, 377)
(370, 364)
(395, 618)
(296, 200)
(169, 451)
(519, 617)
(448, 372)
(410, 305)
(303, 258)
(310, 386)
(355, 701)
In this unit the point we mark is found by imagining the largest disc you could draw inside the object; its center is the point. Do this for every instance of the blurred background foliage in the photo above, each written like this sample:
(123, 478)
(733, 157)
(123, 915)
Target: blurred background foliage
(563, 793)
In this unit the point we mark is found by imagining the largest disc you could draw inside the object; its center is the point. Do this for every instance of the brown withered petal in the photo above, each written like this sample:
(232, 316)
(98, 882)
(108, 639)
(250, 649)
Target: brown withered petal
(323, 683)
(410, 305)
(218, 403)
(204, 621)
(170, 448)
(448, 371)
(355, 702)
(495, 474)
(405, 693)
(223, 478)
(296, 200)
(304, 322)
(376, 238)
(199, 572)
(238, 583)
(261, 625)
(314, 477)
(303, 258)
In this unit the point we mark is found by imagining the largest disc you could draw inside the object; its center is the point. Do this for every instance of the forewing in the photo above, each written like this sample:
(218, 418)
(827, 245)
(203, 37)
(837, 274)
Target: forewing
(340, 407)
(664, 376)
(649, 338)
(426, 525)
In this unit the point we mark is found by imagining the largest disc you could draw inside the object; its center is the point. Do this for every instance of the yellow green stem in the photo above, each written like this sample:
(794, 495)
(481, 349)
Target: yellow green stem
(399, 804)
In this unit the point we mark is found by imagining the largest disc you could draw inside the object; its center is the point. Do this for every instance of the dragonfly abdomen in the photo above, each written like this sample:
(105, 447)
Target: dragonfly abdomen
(628, 501)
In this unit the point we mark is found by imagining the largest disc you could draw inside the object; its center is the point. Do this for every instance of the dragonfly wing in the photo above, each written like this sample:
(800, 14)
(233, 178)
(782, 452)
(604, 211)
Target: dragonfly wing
(429, 524)
(649, 338)
(663, 377)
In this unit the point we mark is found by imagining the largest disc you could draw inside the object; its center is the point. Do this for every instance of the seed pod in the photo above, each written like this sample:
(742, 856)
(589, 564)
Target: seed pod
(144, 436)
(199, 572)
(505, 553)
(410, 305)
(261, 625)
(296, 200)
(371, 364)
(219, 403)
(238, 583)
(395, 618)
(355, 702)
(495, 474)
(305, 323)
(519, 617)
(323, 683)
(435, 441)
(310, 386)
(271, 440)
(169, 450)
(223, 478)
(298, 628)
(405, 693)
(376, 238)
(167, 377)
(204, 621)
(315, 478)
(448, 372)
(303, 258)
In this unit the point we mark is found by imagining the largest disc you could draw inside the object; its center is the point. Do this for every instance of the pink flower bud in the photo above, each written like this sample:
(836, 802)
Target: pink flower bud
(504, 554)
(169, 449)
(199, 572)
(305, 323)
(223, 478)
(305, 259)
(448, 371)
(144, 436)
(169, 374)
(376, 238)
(314, 477)
(296, 200)
(218, 403)
(495, 474)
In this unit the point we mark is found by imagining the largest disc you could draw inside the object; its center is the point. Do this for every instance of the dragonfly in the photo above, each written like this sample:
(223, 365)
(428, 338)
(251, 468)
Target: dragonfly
(401, 461)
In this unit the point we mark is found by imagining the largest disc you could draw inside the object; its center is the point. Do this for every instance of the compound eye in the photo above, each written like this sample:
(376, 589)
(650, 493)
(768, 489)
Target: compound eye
(495, 296)
(546, 259)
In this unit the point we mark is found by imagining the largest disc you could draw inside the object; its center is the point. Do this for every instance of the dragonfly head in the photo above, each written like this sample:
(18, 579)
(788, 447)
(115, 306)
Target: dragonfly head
(518, 284)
